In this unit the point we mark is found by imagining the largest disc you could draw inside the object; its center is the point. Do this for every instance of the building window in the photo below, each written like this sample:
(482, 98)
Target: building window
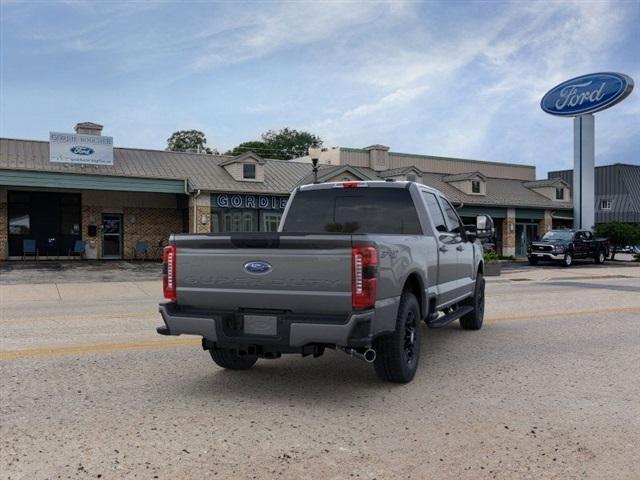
(19, 214)
(605, 204)
(411, 177)
(249, 170)
(475, 186)
(559, 193)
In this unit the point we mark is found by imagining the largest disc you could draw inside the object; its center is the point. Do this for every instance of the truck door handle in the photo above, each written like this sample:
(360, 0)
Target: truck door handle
(460, 248)
(443, 248)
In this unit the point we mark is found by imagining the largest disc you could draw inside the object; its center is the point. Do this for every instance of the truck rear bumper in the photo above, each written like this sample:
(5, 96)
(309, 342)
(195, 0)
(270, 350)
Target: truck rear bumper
(293, 331)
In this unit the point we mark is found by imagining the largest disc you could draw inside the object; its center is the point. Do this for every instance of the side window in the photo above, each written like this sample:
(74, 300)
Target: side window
(435, 212)
(452, 217)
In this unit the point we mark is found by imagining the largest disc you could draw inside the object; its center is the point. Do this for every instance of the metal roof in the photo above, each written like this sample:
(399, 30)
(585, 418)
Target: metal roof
(547, 182)
(201, 170)
(499, 191)
(399, 171)
(205, 172)
(463, 176)
(619, 184)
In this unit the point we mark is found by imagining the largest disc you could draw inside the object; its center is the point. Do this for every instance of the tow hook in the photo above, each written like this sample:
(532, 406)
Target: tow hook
(368, 355)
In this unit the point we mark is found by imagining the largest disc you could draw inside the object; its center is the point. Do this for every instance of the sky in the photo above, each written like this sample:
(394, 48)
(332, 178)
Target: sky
(450, 78)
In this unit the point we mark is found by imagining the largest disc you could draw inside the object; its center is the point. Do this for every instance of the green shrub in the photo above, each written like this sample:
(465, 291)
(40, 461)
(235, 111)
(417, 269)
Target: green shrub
(490, 257)
(619, 234)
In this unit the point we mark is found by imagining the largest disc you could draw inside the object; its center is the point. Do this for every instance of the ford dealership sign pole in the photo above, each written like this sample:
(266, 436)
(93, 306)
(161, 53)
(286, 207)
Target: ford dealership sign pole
(580, 97)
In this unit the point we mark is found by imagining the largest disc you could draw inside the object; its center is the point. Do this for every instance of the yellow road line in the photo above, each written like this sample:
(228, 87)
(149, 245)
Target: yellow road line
(194, 341)
(100, 347)
(534, 316)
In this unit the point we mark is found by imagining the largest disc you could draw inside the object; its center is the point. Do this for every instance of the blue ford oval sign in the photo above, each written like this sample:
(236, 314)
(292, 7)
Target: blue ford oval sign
(79, 150)
(587, 94)
(257, 267)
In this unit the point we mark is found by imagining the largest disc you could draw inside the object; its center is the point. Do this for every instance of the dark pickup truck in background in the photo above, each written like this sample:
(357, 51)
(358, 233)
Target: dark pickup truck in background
(566, 245)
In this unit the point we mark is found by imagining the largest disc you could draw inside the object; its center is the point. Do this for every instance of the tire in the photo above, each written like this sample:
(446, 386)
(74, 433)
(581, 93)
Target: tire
(398, 354)
(600, 257)
(568, 260)
(473, 319)
(532, 260)
(230, 359)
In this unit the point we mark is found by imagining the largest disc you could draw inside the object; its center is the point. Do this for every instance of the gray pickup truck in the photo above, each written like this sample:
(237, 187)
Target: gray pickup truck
(354, 266)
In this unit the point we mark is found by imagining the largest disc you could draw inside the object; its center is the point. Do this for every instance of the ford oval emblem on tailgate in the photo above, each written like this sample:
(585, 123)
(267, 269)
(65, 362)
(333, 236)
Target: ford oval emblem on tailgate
(257, 267)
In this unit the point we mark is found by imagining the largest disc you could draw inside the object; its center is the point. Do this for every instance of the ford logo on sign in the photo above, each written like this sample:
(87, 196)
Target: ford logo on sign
(257, 267)
(78, 150)
(587, 94)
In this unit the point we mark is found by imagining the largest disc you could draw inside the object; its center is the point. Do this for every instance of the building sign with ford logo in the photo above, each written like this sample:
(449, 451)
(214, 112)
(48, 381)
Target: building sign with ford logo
(80, 149)
(587, 94)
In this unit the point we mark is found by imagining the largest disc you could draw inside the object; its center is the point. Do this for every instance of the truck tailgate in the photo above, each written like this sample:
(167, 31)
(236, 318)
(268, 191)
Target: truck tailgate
(308, 273)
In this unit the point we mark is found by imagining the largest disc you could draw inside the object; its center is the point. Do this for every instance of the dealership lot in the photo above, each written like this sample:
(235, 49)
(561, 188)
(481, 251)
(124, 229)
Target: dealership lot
(549, 388)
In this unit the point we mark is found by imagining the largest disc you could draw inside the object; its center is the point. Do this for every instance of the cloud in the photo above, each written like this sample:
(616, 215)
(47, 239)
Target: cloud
(484, 83)
(446, 78)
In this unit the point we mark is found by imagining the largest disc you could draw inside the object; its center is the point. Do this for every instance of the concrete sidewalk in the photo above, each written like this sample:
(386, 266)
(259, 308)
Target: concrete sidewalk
(85, 271)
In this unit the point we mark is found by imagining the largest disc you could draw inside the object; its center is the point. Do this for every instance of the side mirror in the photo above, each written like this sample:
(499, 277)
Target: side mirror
(484, 226)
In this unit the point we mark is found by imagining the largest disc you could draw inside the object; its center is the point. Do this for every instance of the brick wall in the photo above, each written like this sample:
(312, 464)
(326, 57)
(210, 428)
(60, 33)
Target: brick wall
(545, 224)
(91, 215)
(509, 233)
(150, 224)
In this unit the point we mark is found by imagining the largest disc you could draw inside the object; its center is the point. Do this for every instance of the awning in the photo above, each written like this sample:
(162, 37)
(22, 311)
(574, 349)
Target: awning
(29, 178)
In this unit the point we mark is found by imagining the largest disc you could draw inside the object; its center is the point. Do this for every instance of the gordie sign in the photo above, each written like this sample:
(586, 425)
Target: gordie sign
(587, 94)
(270, 202)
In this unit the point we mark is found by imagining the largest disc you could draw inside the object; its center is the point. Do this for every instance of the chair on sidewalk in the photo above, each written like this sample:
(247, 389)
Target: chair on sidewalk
(141, 248)
(159, 248)
(79, 248)
(29, 248)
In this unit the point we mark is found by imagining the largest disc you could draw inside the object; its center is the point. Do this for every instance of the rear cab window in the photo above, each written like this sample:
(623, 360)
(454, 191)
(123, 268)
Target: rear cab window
(364, 210)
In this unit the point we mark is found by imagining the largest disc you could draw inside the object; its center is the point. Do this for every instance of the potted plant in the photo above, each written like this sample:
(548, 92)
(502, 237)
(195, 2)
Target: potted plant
(491, 264)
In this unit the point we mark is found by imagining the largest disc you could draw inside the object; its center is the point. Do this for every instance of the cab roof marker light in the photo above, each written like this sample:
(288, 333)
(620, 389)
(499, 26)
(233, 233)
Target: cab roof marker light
(351, 185)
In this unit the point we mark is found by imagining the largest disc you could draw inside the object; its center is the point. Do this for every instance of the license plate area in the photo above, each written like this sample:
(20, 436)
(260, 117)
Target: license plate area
(265, 325)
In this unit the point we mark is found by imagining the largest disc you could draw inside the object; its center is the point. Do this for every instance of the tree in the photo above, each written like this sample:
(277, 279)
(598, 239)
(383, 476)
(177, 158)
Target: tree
(284, 144)
(188, 141)
(257, 147)
(619, 234)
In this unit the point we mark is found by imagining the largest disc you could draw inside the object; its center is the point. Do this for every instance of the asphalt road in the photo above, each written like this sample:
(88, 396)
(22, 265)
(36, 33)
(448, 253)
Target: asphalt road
(549, 388)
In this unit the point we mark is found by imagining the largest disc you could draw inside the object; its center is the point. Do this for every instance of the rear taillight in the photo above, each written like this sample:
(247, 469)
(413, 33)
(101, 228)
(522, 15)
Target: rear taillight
(169, 272)
(364, 266)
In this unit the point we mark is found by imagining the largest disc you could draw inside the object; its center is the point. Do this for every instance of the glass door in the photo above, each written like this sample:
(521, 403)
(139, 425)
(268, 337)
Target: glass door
(112, 235)
(525, 233)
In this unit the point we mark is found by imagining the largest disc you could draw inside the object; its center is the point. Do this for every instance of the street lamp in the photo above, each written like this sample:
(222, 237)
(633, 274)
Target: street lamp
(314, 153)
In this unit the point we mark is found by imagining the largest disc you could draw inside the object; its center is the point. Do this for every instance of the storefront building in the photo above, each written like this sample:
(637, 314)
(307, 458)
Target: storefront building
(125, 202)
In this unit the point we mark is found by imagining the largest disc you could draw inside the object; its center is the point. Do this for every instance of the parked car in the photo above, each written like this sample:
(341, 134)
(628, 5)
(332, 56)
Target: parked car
(488, 245)
(355, 266)
(629, 249)
(566, 245)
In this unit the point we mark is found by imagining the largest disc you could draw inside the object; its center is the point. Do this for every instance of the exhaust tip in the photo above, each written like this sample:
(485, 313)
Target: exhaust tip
(370, 355)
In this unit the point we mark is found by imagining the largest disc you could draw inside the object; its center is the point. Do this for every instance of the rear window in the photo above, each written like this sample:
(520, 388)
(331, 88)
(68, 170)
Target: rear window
(357, 210)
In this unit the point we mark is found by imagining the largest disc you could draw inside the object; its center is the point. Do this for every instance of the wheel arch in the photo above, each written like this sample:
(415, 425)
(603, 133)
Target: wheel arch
(414, 283)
